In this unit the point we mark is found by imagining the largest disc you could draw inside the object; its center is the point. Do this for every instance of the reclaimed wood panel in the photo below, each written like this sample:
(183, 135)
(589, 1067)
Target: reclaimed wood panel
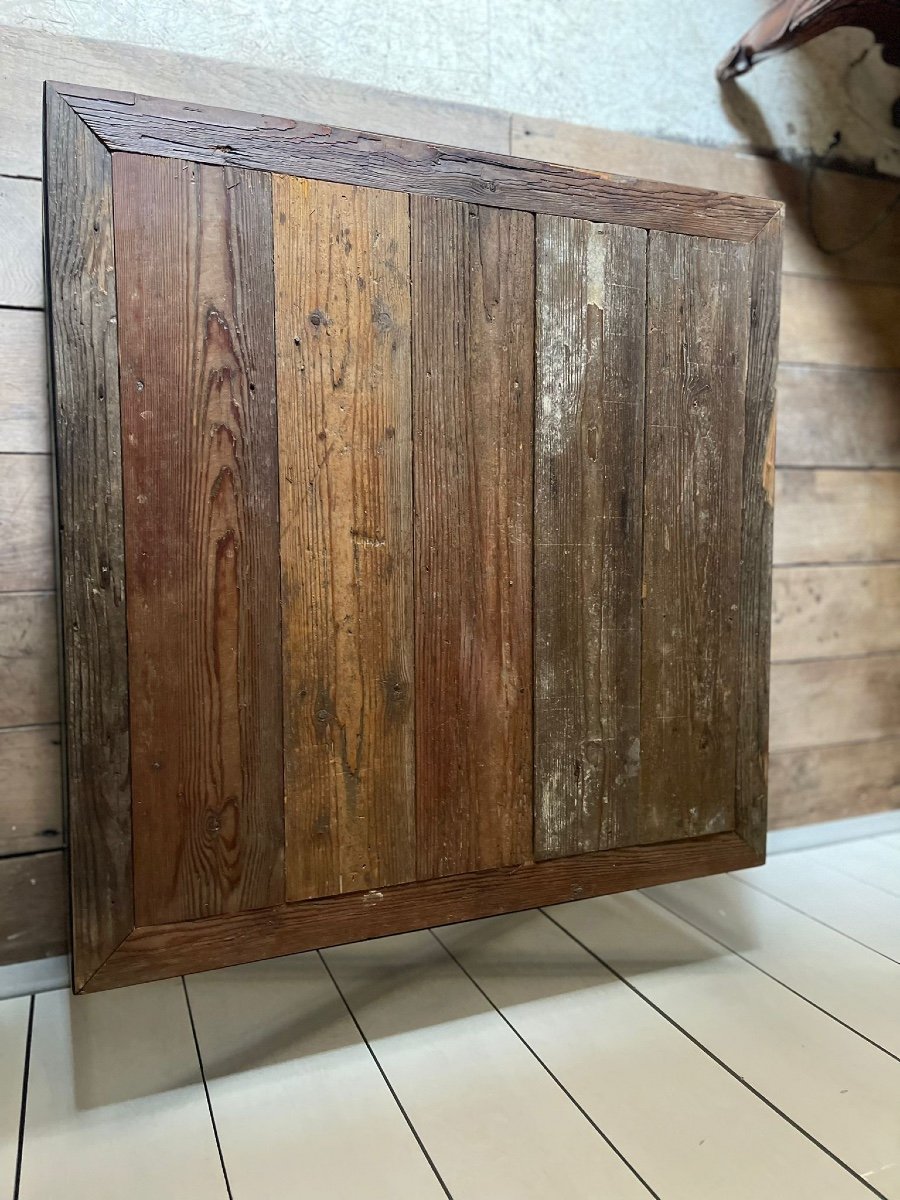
(21, 269)
(698, 304)
(830, 611)
(26, 523)
(839, 323)
(195, 287)
(343, 346)
(827, 783)
(33, 907)
(824, 516)
(81, 273)
(30, 763)
(838, 417)
(24, 411)
(29, 675)
(589, 447)
(473, 350)
(830, 701)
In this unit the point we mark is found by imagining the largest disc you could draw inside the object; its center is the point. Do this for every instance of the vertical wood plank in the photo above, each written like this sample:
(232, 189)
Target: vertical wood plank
(195, 287)
(473, 351)
(697, 331)
(589, 448)
(343, 351)
(85, 374)
(756, 537)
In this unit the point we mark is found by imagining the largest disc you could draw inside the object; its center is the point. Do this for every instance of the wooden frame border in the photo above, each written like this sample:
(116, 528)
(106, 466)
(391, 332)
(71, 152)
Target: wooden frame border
(82, 128)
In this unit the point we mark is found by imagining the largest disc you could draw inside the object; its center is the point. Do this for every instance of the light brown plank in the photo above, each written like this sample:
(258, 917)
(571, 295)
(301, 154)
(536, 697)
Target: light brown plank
(838, 417)
(345, 460)
(698, 304)
(836, 516)
(835, 700)
(827, 611)
(834, 211)
(589, 449)
(24, 408)
(32, 816)
(91, 540)
(21, 269)
(473, 354)
(29, 56)
(840, 324)
(829, 783)
(29, 675)
(195, 286)
(26, 545)
(33, 907)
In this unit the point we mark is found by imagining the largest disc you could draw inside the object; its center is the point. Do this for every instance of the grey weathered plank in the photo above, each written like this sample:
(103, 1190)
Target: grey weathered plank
(698, 307)
(88, 448)
(29, 672)
(33, 907)
(589, 447)
(832, 516)
(835, 610)
(21, 274)
(837, 417)
(24, 411)
(31, 817)
(26, 524)
(828, 783)
(832, 700)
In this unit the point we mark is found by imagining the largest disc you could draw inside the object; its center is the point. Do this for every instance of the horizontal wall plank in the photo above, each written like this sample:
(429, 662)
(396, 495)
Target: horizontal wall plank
(21, 269)
(26, 543)
(33, 907)
(838, 417)
(836, 516)
(834, 700)
(24, 407)
(828, 783)
(839, 323)
(842, 204)
(29, 691)
(28, 57)
(31, 810)
(823, 612)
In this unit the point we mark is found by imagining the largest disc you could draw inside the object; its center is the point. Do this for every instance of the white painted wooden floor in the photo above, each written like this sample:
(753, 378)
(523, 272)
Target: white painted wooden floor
(735, 1038)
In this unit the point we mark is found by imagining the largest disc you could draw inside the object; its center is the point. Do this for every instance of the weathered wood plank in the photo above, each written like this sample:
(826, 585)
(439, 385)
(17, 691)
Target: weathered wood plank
(829, 611)
(29, 667)
(24, 411)
(589, 448)
(195, 285)
(92, 558)
(343, 349)
(473, 348)
(841, 324)
(223, 137)
(835, 700)
(698, 306)
(32, 816)
(826, 516)
(757, 494)
(828, 783)
(33, 907)
(838, 417)
(21, 272)
(26, 523)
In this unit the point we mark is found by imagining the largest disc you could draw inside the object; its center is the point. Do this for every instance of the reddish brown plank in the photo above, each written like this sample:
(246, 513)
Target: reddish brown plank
(473, 347)
(589, 448)
(195, 289)
(698, 305)
(343, 350)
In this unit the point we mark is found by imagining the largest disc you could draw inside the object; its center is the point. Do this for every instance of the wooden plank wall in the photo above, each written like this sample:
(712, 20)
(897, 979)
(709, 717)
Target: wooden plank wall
(836, 634)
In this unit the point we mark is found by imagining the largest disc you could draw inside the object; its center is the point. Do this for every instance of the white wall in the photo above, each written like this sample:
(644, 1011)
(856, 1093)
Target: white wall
(644, 66)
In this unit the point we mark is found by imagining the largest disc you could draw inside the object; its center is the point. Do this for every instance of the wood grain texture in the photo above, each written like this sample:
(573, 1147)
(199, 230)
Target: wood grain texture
(24, 427)
(828, 783)
(29, 666)
(589, 449)
(824, 516)
(698, 306)
(85, 376)
(343, 348)
(473, 355)
(830, 701)
(838, 417)
(21, 269)
(830, 611)
(195, 286)
(189, 946)
(33, 907)
(757, 494)
(32, 816)
(26, 523)
(130, 122)
(836, 323)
